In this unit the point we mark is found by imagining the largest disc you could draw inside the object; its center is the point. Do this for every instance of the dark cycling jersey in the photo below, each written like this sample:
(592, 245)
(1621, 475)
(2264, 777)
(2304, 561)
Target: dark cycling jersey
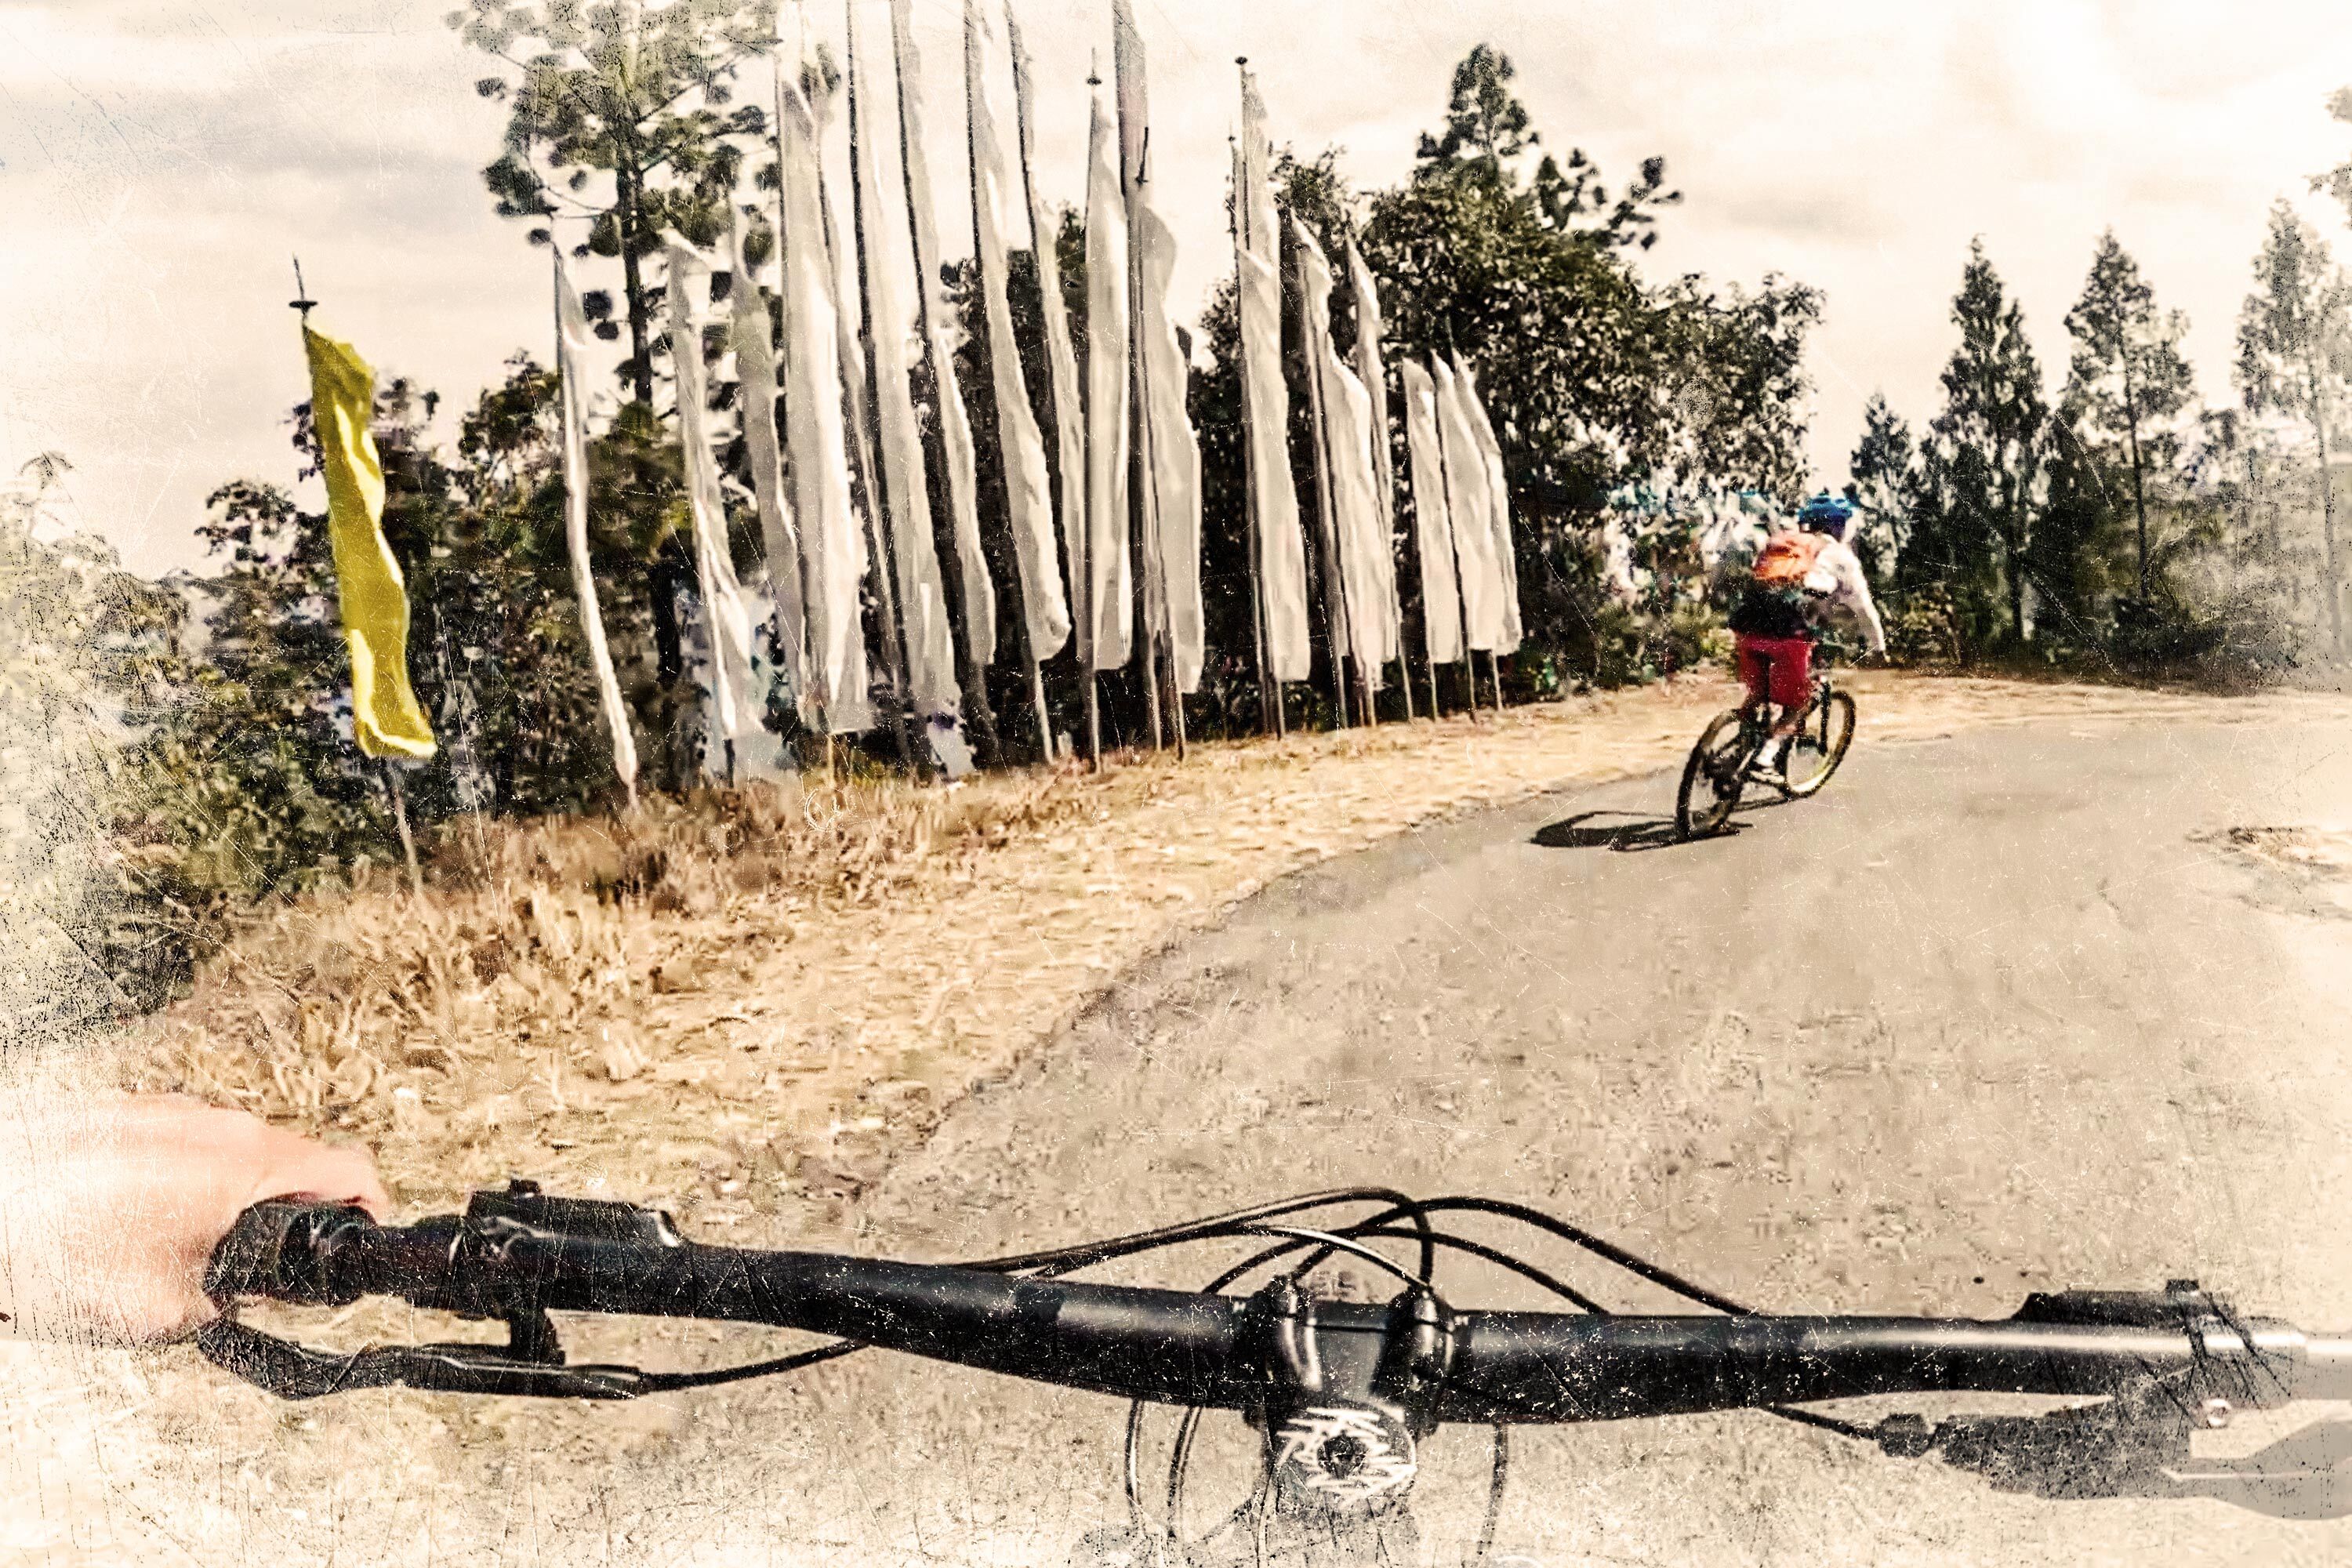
(1768, 611)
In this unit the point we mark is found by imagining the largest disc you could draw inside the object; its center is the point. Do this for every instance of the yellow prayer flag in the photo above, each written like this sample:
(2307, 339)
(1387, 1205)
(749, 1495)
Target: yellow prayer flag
(385, 712)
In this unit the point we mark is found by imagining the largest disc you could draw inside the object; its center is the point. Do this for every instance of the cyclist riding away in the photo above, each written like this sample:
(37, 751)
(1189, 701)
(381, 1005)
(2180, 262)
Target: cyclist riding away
(1802, 576)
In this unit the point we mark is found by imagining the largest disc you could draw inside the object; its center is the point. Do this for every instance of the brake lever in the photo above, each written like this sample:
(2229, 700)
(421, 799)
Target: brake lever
(2123, 1447)
(297, 1372)
(2136, 1445)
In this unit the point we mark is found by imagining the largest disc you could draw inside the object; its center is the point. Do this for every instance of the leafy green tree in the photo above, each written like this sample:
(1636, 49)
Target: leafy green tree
(81, 644)
(2129, 380)
(1982, 468)
(1737, 406)
(2294, 351)
(502, 653)
(1591, 375)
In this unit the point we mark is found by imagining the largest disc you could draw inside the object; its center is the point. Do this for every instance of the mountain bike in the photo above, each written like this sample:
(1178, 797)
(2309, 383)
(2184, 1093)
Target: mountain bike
(1723, 764)
(1341, 1394)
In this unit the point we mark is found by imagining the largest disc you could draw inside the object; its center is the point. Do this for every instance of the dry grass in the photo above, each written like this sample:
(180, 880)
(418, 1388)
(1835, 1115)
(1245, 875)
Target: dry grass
(742, 1004)
(556, 974)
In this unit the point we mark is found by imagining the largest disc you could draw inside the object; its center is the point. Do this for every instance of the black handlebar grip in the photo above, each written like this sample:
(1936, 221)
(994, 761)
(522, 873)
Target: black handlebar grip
(289, 1252)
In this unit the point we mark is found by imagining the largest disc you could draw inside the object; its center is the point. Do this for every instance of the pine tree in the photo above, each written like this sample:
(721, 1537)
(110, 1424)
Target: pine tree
(2295, 348)
(1487, 128)
(1885, 483)
(1982, 469)
(627, 110)
(621, 117)
(2075, 543)
(2128, 377)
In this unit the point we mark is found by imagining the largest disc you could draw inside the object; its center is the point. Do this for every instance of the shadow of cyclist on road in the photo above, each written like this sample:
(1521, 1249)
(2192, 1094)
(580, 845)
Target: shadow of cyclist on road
(1591, 830)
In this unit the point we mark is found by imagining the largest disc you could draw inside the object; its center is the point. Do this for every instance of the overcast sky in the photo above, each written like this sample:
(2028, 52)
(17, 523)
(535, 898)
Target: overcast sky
(161, 161)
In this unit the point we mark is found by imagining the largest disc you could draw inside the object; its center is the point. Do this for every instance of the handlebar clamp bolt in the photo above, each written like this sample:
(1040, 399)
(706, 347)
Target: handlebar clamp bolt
(2214, 1413)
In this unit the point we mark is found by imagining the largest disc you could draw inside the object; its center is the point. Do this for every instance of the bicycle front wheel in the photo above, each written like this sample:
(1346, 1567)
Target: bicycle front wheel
(1821, 745)
(1713, 777)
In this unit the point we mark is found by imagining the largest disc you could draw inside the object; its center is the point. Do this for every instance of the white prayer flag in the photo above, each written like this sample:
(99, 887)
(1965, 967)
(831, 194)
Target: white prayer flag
(1355, 509)
(1110, 583)
(1371, 593)
(1029, 498)
(1466, 482)
(1498, 507)
(1069, 424)
(1281, 545)
(734, 699)
(866, 509)
(1175, 450)
(571, 336)
(888, 256)
(1134, 102)
(1441, 593)
(1376, 383)
(832, 548)
(750, 336)
(939, 348)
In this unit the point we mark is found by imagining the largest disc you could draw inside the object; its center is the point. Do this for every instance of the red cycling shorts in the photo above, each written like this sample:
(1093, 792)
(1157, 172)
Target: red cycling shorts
(1790, 663)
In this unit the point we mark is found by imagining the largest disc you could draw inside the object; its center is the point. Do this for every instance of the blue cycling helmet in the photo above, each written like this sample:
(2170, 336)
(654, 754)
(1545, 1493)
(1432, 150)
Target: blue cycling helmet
(1826, 513)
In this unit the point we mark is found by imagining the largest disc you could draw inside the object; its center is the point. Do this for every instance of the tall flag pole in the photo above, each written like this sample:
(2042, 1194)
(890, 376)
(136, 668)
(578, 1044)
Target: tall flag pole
(848, 313)
(1109, 590)
(833, 549)
(1466, 486)
(734, 712)
(1374, 376)
(1062, 382)
(1028, 486)
(1175, 455)
(884, 260)
(386, 719)
(1315, 331)
(1371, 592)
(1269, 703)
(979, 594)
(1441, 592)
(751, 333)
(1134, 145)
(1282, 548)
(1499, 521)
(1171, 449)
(572, 336)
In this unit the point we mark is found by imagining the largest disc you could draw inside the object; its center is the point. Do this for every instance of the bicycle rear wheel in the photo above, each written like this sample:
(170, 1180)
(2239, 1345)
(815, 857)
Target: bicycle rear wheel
(1713, 777)
(1819, 746)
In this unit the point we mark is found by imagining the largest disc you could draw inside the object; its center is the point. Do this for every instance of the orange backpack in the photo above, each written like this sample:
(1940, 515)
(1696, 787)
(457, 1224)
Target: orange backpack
(1787, 559)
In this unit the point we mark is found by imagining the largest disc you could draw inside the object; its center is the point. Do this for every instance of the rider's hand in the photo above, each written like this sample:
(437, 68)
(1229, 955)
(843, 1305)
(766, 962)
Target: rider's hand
(111, 1208)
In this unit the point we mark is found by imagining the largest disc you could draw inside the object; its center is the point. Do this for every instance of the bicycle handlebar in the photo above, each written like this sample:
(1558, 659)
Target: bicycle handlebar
(518, 1255)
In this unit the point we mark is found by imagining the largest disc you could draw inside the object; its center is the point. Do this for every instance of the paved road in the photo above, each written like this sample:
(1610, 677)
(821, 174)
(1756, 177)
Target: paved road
(1984, 1017)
